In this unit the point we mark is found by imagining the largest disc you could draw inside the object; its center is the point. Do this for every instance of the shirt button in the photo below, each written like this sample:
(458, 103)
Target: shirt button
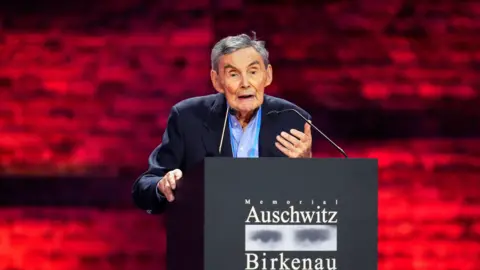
(241, 148)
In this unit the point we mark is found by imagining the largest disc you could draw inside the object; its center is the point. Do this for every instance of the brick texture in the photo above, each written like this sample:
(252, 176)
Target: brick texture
(47, 238)
(429, 218)
(87, 88)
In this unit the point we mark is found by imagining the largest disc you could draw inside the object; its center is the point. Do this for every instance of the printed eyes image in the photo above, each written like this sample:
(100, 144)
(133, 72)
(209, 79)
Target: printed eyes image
(290, 237)
(312, 236)
(267, 236)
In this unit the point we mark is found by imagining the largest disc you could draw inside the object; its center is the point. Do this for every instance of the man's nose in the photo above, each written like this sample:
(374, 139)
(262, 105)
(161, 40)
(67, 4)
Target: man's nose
(244, 82)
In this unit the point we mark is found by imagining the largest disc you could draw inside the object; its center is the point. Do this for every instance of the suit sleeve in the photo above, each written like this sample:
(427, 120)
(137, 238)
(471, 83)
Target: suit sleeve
(165, 157)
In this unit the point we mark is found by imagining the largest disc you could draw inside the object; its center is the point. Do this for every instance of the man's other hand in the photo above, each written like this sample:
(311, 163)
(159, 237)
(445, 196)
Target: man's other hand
(297, 144)
(168, 183)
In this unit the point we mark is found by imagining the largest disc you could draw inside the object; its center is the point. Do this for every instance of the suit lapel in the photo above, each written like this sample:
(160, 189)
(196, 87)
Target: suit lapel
(213, 127)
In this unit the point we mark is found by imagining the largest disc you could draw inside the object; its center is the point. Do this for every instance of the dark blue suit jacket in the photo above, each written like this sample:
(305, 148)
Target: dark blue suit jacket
(193, 132)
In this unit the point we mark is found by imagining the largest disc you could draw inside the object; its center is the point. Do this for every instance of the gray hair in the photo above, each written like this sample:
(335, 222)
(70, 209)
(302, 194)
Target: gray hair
(231, 44)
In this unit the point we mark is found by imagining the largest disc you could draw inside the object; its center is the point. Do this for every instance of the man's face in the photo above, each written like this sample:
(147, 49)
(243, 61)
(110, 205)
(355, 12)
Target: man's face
(242, 77)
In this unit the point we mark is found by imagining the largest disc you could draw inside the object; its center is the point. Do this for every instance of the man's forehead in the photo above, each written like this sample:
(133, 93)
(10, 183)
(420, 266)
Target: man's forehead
(241, 58)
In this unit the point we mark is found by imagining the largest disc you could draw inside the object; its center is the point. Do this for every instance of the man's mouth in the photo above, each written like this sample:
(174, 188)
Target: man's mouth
(245, 96)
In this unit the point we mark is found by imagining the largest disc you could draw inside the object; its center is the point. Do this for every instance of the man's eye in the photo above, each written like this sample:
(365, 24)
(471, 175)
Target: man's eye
(312, 235)
(267, 236)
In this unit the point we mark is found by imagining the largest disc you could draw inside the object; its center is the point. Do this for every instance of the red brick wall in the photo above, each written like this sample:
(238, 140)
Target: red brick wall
(78, 239)
(72, 109)
(85, 92)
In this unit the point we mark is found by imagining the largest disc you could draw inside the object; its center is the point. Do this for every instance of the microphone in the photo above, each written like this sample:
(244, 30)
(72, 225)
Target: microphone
(317, 129)
(229, 111)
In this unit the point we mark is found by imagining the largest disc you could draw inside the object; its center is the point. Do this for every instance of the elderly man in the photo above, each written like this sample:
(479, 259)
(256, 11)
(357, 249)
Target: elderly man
(235, 122)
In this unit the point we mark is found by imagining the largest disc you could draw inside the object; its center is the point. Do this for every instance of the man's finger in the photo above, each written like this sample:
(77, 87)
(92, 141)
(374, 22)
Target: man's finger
(289, 138)
(282, 149)
(172, 176)
(308, 129)
(300, 135)
(167, 190)
(170, 180)
(291, 153)
(178, 174)
(285, 143)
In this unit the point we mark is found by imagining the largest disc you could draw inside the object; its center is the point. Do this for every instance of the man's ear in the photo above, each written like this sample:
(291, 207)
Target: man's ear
(269, 75)
(215, 78)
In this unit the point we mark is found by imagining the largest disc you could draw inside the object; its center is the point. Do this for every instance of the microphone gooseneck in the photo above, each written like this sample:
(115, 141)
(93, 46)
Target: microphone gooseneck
(312, 125)
(223, 131)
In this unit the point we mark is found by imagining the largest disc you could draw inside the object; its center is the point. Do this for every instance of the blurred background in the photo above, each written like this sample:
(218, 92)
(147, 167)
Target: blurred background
(86, 87)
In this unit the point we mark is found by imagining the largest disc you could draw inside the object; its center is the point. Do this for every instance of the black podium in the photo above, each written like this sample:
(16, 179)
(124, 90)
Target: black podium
(275, 213)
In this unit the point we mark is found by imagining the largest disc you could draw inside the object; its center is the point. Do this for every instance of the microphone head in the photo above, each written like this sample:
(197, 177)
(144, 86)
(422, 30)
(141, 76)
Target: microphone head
(232, 111)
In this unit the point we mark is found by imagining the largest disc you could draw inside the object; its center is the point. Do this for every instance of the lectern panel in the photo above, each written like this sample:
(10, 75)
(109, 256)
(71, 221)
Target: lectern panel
(280, 213)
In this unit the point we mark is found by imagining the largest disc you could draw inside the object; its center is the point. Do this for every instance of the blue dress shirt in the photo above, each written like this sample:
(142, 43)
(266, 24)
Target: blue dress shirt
(245, 142)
